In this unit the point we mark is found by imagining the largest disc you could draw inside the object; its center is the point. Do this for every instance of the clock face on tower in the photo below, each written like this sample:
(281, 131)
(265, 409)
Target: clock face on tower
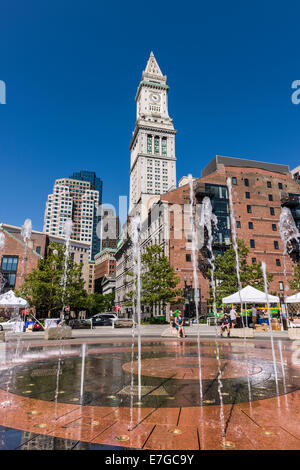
(154, 97)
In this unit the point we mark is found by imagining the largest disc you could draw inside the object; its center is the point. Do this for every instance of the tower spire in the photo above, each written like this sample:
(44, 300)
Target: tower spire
(152, 69)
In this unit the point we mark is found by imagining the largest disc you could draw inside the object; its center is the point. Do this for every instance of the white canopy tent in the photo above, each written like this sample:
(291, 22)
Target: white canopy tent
(293, 299)
(250, 295)
(10, 300)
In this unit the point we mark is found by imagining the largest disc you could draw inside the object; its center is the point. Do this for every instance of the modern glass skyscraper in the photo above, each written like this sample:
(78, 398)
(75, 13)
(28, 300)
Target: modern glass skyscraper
(90, 176)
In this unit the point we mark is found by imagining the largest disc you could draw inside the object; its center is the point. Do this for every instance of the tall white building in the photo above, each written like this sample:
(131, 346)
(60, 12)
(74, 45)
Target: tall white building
(76, 200)
(153, 160)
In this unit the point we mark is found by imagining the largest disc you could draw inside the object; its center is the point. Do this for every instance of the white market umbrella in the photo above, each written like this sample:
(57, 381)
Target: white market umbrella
(250, 295)
(293, 299)
(10, 300)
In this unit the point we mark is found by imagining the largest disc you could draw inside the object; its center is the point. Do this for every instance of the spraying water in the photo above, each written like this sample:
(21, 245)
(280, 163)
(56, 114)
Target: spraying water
(208, 218)
(83, 354)
(264, 270)
(237, 263)
(288, 233)
(136, 227)
(67, 230)
(2, 241)
(26, 235)
(196, 282)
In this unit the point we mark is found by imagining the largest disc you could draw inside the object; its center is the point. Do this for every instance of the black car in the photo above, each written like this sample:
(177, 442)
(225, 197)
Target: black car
(101, 321)
(79, 324)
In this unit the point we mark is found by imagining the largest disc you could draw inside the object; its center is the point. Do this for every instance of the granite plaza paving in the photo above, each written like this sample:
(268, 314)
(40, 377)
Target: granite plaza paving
(42, 406)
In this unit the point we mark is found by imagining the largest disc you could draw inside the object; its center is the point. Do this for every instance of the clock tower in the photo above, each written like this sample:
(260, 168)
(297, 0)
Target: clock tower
(153, 161)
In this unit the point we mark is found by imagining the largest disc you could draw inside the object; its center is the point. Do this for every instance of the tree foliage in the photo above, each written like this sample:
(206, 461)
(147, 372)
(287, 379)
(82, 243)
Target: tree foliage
(43, 287)
(97, 303)
(158, 278)
(226, 276)
(295, 281)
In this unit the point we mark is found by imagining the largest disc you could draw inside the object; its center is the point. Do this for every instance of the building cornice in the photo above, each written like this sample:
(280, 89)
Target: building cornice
(149, 84)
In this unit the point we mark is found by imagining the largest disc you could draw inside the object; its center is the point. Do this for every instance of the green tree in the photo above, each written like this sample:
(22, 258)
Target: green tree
(295, 281)
(97, 303)
(158, 278)
(43, 287)
(226, 276)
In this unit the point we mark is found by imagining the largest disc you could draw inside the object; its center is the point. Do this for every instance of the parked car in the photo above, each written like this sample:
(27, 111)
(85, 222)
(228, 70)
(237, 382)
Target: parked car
(102, 320)
(9, 324)
(111, 315)
(79, 324)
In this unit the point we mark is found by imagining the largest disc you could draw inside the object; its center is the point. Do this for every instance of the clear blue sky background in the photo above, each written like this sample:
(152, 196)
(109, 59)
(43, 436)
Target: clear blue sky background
(72, 69)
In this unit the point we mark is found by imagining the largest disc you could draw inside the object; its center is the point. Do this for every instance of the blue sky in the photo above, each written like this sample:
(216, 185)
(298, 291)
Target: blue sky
(72, 68)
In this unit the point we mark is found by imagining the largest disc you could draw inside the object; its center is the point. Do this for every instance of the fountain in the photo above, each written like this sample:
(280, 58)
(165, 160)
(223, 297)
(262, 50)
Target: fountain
(136, 226)
(207, 218)
(26, 235)
(264, 270)
(67, 231)
(289, 233)
(237, 261)
(83, 355)
(196, 281)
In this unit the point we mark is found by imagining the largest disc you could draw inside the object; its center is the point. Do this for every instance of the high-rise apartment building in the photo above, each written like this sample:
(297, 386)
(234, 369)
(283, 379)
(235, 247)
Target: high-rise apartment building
(75, 198)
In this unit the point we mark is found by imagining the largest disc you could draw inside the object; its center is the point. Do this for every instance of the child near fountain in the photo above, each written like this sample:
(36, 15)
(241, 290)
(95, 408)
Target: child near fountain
(179, 321)
(225, 325)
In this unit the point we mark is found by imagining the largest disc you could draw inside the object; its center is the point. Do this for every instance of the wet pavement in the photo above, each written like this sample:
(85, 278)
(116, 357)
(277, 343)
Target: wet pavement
(41, 406)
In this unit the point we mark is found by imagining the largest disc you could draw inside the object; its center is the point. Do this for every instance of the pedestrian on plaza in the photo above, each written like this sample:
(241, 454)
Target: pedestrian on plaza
(179, 322)
(254, 316)
(232, 314)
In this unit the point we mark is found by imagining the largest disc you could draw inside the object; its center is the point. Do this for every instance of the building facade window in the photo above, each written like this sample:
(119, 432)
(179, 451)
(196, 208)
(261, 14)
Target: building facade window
(246, 182)
(279, 185)
(234, 180)
(270, 197)
(276, 245)
(247, 194)
(164, 146)
(250, 225)
(188, 257)
(269, 184)
(253, 260)
(280, 285)
(149, 143)
(252, 243)
(274, 227)
(278, 262)
(238, 224)
(156, 144)
(9, 267)
(249, 209)
(272, 211)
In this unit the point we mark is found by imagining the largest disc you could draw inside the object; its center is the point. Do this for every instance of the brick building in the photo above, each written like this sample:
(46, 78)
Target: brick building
(105, 268)
(259, 191)
(14, 266)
